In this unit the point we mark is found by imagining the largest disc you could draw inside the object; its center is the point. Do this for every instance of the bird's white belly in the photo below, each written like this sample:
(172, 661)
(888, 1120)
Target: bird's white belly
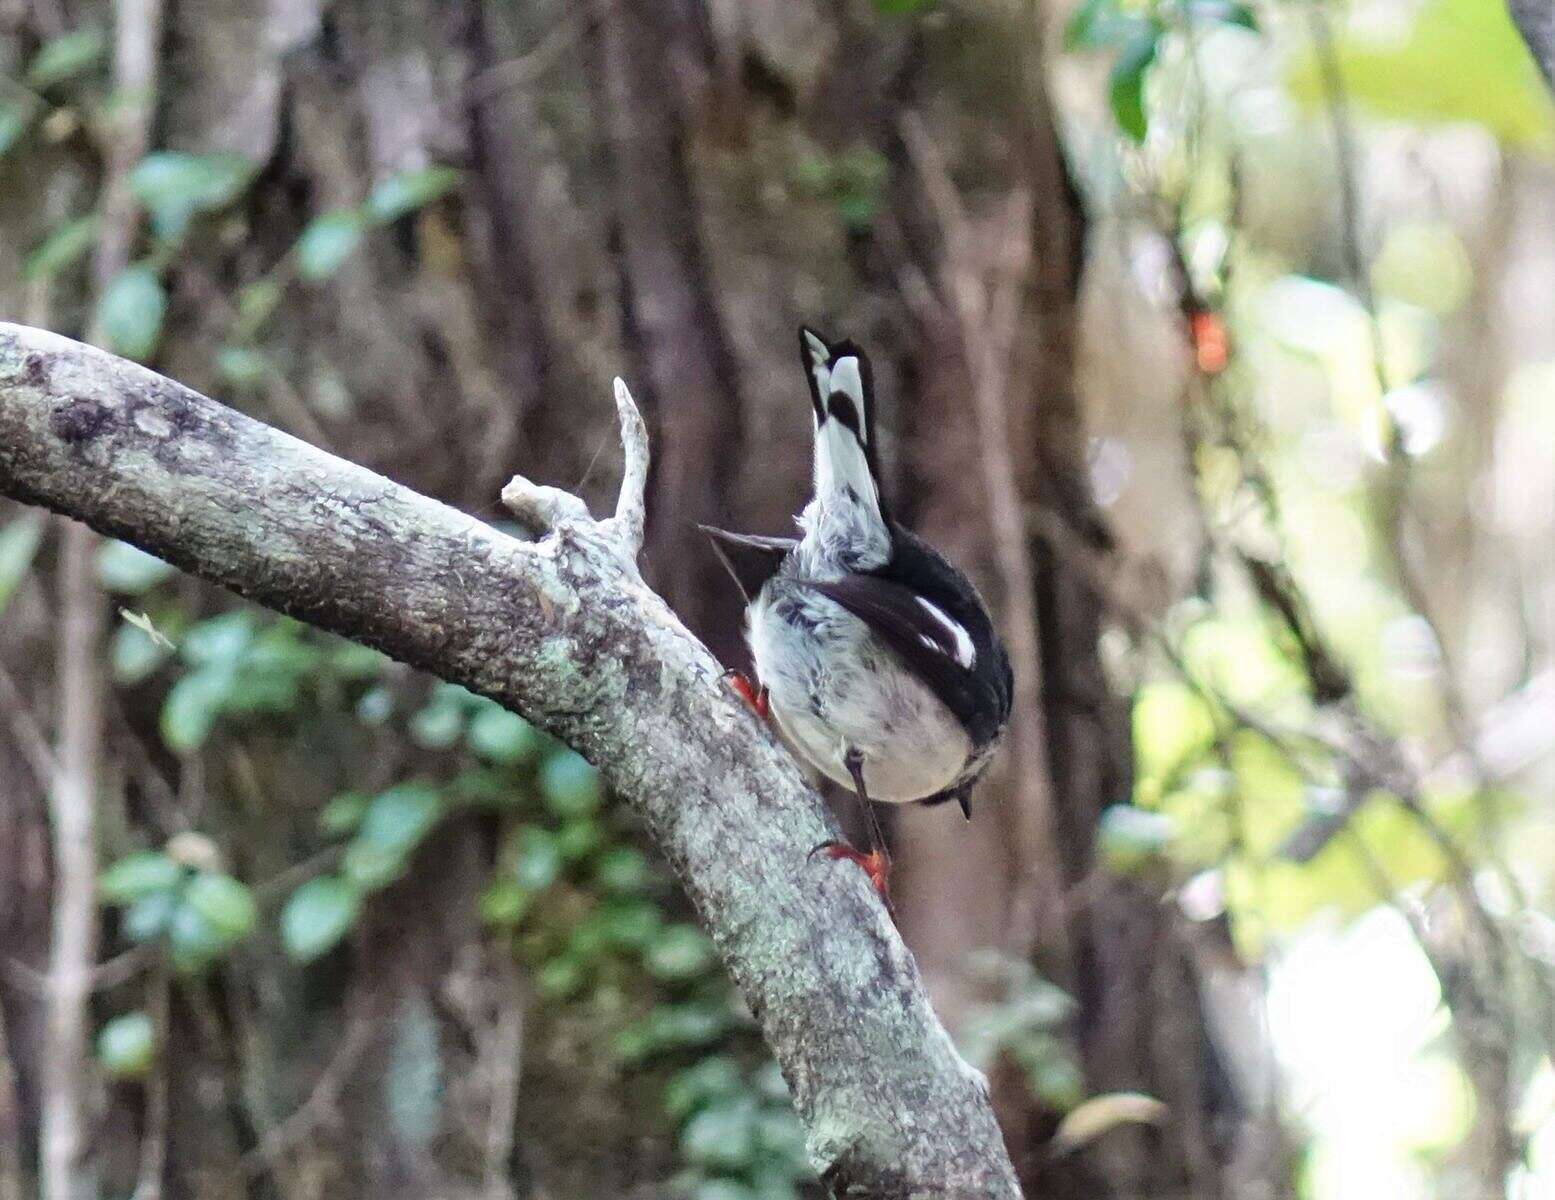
(855, 696)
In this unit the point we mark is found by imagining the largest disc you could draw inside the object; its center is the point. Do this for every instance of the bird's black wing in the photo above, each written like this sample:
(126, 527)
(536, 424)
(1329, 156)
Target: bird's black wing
(750, 558)
(916, 565)
(898, 618)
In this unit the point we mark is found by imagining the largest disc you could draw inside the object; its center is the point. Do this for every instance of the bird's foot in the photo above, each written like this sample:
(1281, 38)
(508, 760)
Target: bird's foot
(875, 864)
(754, 694)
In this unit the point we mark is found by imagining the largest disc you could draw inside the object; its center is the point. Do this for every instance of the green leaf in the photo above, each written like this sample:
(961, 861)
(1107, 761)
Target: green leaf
(175, 185)
(504, 903)
(623, 870)
(224, 902)
(371, 867)
(18, 547)
(1126, 83)
(122, 567)
(376, 706)
(503, 737)
(723, 1136)
(15, 119)
(630, 924)
(571, 786)
(344, 813)
(588, 940)
(858, 210)
(134, 654)
(681, 1026)
(317, 916)
(407, 191)
(900, 8)
(283, 650)
(352, 661)
(1080, 30)
(126, 1046)
(437, 725)
(715, 1078)
(194, 941)
(539, 859)
(399, 818)
(579, 838)
(1098, 24)
(130, 311)
(61, 249)
(778, 1132)
(728, 1189)
(1128, 837)
(242, 366)
(189, 713)
(681, 952)
(327, 242)
(255, 304)
(137, 875)
(1173, 728)
(461, 698)
(264, 691)
(149, 916)
(65, 56)
(560, 978)
(482, 787)
(1234, 13)
(219, 641)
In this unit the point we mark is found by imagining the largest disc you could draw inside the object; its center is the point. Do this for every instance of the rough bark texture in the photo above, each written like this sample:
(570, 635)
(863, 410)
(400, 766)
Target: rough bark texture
(563, 631)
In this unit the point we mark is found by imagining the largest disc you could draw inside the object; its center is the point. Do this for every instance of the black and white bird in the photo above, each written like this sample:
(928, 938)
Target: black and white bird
(876, 658)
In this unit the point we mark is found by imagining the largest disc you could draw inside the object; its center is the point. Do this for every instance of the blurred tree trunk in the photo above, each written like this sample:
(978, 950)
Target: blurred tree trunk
(1139, 1020)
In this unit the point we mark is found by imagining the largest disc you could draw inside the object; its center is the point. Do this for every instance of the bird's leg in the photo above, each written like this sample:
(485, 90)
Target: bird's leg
(754, 694)
(877, 863)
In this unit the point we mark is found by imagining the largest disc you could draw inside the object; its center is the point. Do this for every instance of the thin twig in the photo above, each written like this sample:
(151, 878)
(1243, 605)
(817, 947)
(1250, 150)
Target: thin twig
(530, 67)
(29, 737)
(503, 1052)
(64, 1170)
(631, 506)
(153, 1142)
(10, 1121)
(73, 938)
(284, 1135)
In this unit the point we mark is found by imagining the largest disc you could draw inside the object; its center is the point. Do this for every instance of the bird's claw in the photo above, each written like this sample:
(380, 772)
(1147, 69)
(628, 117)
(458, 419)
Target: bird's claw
(875, 864)
(754, 695)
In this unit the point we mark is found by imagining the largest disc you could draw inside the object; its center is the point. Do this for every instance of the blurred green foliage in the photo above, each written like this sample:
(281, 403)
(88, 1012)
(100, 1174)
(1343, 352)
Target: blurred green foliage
(1458, 60)
(582, 906)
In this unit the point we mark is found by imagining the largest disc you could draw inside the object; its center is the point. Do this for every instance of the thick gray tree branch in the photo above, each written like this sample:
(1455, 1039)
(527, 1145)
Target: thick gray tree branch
(1535, 20)
(564, 631)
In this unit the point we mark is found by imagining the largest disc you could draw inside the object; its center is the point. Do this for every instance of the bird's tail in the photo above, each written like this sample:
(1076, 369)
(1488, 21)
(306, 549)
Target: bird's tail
(842, 395)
